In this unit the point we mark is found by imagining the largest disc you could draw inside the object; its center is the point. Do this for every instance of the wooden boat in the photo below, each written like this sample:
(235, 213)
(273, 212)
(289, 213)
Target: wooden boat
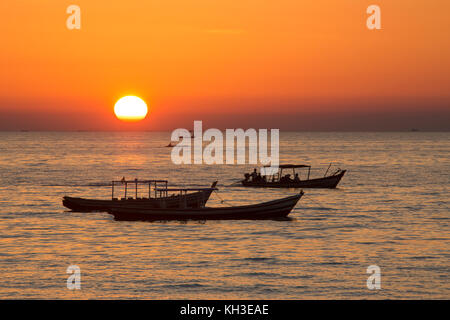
(277, 180)
(267, 210)
(160, 198)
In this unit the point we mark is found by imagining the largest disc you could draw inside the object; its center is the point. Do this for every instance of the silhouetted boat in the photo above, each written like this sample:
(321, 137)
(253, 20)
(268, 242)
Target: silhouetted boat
(267, 210)
(172, 144)
(160, 199)
(277, 180)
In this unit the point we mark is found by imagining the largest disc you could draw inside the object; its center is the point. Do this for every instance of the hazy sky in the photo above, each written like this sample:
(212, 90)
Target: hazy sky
(289, 64)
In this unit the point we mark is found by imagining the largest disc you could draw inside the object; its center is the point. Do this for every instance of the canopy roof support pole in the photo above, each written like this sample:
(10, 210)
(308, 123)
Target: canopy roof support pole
(202, 204)
(112, 190)
(309, 171)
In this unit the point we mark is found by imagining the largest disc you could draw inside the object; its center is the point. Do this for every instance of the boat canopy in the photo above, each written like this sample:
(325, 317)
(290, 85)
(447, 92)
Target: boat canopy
(136, 182)
(281, 167)
(290, 166)
(139, 181)
(293, 166)
(185, 189)
(165, 191)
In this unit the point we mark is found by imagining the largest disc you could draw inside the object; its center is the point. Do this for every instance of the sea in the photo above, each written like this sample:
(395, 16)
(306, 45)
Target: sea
(391, 210)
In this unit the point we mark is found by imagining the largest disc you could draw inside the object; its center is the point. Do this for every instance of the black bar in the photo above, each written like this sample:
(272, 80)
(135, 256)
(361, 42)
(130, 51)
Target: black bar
(227, 309)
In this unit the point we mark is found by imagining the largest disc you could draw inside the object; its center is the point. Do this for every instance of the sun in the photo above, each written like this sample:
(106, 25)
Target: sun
(130, 108)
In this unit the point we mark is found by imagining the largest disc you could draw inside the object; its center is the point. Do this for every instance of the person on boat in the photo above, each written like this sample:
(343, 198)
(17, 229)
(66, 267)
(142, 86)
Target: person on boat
(287, 178)
(247, 176)
(296, 178)
(254, 175)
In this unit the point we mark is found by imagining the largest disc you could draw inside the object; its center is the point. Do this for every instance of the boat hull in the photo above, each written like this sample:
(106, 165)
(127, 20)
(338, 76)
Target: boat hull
(326, 182)
(268, 210)
(194, 200)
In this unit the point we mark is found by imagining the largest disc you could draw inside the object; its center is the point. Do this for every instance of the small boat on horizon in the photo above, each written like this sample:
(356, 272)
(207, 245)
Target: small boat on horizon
(161, 197)
(277, 180)
(279, 208)
(172, 144)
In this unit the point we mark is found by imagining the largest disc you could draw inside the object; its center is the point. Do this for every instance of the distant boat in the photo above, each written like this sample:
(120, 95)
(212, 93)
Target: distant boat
(159, 199)
(415, 130)
(277, 180)
(267, 210)
(171, 144)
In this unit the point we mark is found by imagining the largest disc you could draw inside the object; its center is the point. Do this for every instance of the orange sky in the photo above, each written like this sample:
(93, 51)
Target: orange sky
(201, 58)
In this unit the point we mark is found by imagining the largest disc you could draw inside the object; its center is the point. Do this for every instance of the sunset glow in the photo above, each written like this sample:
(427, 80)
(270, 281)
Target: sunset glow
(293, 65)
(130, 108)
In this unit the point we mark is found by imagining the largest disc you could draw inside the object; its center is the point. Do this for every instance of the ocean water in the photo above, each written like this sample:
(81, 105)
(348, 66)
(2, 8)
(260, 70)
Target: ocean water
(391, 210)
